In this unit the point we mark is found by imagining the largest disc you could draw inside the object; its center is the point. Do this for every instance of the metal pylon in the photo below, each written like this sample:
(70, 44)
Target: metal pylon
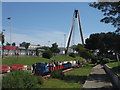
(76, 15)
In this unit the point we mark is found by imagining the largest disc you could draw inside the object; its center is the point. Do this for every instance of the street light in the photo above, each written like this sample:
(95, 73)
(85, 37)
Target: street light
(64, 40)
(2, 41)
(9, 18)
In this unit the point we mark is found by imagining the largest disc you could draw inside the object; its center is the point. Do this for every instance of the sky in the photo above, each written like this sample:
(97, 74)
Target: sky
(45, 23)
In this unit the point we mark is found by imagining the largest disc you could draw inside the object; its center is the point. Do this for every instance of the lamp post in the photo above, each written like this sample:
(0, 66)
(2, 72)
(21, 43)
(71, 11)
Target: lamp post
(9, 18)
(64, 40)
(2, 41)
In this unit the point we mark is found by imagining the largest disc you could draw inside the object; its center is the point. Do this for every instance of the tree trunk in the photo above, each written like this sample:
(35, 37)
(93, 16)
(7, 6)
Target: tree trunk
(117, 55)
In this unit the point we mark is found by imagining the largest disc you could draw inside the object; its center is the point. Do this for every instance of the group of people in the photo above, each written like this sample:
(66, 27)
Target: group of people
(54, 63)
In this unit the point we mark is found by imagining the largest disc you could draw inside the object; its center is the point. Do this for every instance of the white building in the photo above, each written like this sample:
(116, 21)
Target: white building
(22, 51)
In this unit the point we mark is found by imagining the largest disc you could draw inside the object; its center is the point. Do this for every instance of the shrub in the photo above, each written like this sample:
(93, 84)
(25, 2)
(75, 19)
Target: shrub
(72, 55)
(47, 54)
(105, 60)
(94, 60)
(19, 79)
(40, 80)
(57, 74)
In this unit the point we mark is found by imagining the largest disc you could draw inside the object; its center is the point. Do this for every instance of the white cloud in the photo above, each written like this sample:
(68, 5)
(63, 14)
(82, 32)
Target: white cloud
(41, 37)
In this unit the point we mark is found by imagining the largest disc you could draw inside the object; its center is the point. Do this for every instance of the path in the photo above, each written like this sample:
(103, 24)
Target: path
(98, 79)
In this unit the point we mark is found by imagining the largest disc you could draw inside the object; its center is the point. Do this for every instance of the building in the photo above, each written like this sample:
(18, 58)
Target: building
(31, 51)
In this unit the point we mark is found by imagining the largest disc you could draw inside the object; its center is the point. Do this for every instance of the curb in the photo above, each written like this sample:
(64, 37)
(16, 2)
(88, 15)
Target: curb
(114, 77)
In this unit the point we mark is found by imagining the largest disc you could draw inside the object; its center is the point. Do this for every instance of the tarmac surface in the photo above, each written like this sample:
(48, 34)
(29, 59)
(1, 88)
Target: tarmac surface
(98, 79)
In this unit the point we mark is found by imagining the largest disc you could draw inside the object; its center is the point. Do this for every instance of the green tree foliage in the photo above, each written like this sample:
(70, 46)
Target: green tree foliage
(105, 60)
(106, 43)
(47, 54)
(57, 74)
(42, 48)
(72, 55)
(26, 45)
(111, 11)
(13, 44)
(7, 44)
(83, 52)
(2, 38)
(54, 48)
(19, 79)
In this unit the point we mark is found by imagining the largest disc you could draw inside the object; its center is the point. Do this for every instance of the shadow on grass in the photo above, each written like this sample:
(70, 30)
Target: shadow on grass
(116, 70)
(76, 79)
(99, 78)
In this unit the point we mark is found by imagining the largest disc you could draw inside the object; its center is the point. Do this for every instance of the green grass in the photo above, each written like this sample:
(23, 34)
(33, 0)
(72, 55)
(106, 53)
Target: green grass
(115, 67)
(113, 64)
(83, 71)
(23, 60)
(73, 79)
(66, 58)
(56, 83)
(29, 60)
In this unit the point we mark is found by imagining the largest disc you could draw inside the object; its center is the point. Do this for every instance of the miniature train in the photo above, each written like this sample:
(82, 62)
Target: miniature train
(41, 68)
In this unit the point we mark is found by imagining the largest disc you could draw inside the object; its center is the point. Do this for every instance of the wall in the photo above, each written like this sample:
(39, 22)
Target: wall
(114, 77)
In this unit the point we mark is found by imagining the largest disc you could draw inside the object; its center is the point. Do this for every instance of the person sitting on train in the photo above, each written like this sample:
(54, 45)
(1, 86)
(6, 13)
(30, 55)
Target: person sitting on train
(34, 67)
(53, 65)
(56, 63)
(78, 62)
(68, 62)
(48, 64)
(60, 63)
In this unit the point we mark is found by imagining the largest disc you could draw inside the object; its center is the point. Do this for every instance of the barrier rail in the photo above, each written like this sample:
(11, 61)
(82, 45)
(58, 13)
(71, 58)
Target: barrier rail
(114, 77)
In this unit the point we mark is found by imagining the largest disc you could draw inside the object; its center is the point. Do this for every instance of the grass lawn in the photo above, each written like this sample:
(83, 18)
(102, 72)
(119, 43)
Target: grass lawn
(73, 79)
(23, 60)
(29, 60)
(56, 83)
(115, 67)
(66, 58)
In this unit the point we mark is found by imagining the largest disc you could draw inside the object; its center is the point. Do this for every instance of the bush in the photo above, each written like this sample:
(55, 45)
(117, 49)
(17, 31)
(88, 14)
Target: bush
(40, 80)
(57, 74)
(94, 60)
(72, 55)
(47, 54)
(19, 79)
(105, 60)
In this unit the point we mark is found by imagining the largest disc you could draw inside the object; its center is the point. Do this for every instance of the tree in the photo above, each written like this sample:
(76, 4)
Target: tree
(13, 44)
(54, 48)
(7, 44)
(2, 42)
(26, 45)
(47, 54)
(83, 52)
(111, 11)
(106, 43)
(2, 38)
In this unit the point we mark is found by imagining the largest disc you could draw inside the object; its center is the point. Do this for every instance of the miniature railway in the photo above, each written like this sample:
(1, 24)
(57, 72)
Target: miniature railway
(64, 71)
(48, 76)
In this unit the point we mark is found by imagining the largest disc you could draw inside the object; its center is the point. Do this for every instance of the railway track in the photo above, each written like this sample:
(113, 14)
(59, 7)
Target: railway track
(64, 71)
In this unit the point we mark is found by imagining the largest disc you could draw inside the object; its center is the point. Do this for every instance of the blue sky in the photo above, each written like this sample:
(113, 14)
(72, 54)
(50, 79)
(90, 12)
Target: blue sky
(39, 22)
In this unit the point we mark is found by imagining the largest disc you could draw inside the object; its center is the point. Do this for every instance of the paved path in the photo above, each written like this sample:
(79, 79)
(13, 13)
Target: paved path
(98, 79)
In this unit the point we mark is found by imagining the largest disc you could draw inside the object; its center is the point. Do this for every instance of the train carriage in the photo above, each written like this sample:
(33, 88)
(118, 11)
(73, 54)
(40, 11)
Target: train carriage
(4, 68)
